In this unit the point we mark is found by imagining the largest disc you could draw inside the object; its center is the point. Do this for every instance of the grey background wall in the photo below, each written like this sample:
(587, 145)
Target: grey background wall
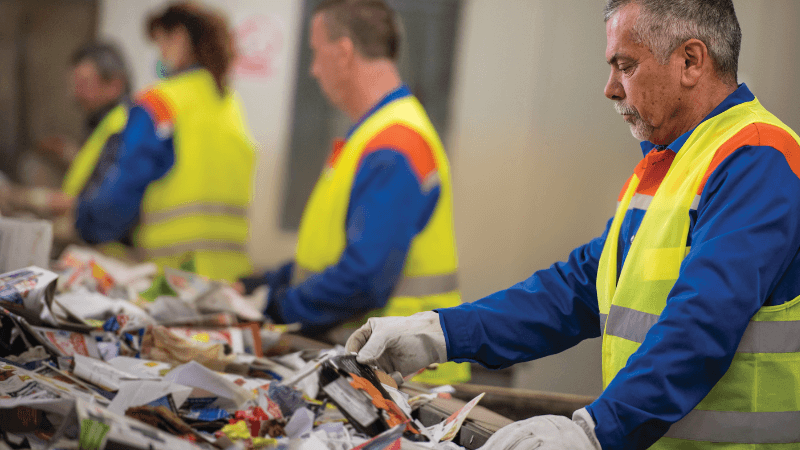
(538, 153)
(37, 38)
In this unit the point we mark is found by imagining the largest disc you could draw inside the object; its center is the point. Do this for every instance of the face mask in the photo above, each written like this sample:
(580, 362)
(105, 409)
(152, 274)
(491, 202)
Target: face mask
(161, 69)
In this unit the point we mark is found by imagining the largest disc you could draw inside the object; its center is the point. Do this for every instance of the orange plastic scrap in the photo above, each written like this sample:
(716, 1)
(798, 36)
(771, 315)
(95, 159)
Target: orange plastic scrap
(396, 415)
(103, 279)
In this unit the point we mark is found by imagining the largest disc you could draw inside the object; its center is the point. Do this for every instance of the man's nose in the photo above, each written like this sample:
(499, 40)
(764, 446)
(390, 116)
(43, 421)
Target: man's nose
(613, 89)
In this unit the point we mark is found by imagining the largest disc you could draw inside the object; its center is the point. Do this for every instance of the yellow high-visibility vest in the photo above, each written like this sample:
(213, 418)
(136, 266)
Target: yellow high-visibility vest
(81, 168)
(198, 211)
(429, 276)
(756, 404)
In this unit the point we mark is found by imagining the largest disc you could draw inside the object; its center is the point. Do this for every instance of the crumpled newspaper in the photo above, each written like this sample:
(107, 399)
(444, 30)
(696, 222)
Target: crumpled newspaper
(160, 344)
(32, 288)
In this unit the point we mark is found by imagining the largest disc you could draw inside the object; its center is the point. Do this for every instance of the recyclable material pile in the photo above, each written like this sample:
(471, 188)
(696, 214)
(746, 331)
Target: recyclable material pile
(87, 363)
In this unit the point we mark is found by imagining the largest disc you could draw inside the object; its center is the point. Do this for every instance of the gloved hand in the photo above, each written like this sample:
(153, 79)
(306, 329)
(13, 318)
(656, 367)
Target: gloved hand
(547, 433)
(400, 344)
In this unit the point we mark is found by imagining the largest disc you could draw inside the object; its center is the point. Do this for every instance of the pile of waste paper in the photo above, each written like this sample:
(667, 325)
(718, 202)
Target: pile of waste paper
(87, 363)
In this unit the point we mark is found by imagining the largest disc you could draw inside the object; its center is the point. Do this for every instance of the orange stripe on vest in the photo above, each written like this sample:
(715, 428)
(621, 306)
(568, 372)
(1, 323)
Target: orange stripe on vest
(651, 172)
(407, 142)
(161, 111)
(757, 134)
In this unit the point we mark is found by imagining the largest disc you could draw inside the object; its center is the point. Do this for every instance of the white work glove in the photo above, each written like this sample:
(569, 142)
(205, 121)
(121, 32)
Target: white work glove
(547, 433)
(400, 344)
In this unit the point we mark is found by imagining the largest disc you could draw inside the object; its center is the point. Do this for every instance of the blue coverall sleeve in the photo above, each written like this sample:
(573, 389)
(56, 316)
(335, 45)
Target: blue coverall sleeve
(746, 236)
(549, 312)
(109, 212)
(388, 207)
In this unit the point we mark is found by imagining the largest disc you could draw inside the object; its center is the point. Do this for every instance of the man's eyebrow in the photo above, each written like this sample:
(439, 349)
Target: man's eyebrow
(616, 57)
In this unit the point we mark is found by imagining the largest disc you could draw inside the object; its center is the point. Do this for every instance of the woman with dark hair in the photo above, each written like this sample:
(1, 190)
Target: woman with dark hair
(189, 36)
(183, 179)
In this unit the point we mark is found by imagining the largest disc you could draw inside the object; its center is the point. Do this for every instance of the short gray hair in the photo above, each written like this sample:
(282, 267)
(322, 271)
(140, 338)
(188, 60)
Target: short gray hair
(372, 25)
(108, 59)
(663, 25)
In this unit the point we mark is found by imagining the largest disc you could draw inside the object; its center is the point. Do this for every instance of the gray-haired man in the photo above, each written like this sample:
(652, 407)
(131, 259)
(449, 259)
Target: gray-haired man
(694, 286)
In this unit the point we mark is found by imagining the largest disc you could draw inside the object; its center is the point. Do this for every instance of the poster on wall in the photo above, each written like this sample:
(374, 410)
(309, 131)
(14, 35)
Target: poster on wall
(259, 41)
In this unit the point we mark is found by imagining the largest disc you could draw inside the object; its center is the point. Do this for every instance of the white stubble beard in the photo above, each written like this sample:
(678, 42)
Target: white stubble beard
(640, 129)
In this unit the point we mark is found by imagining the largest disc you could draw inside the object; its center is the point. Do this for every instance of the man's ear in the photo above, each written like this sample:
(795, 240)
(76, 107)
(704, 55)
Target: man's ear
(346, 52)
(117, 86)
(695, 61)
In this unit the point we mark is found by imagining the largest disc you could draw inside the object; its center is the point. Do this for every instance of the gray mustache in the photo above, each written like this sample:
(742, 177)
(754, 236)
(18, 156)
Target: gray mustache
(625, 109)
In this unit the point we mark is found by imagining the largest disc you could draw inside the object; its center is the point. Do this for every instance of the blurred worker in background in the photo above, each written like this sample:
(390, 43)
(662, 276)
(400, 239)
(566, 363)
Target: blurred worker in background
(181, 184)
(376, 235)
(101, 87)
(695, 284)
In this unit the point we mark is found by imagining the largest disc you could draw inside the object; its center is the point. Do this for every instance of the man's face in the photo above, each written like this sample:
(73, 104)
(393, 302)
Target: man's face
(326, 62)
(645, 92)
(90, 90)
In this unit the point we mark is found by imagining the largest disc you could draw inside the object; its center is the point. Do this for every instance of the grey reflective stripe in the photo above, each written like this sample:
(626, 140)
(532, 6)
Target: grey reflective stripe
(643, 201)
(640, 201)
(430, 182)
(695, 203)
(603, 318)
(738, 427)
(770, 337)
(429, 285)
(759, 337)
(406, 287)
(629, 324)
(198, 245)
(198, 208)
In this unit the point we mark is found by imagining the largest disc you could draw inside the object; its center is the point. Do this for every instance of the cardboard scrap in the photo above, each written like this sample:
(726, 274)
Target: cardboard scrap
(447, 430)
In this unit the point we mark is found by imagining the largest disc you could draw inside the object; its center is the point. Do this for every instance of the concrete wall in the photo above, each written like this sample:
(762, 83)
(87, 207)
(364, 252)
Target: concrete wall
(538, 153)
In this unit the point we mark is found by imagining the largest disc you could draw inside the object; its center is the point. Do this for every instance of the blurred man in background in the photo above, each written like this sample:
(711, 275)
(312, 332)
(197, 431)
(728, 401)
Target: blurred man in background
(377, 234)
(100, 85)
(695, 284)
